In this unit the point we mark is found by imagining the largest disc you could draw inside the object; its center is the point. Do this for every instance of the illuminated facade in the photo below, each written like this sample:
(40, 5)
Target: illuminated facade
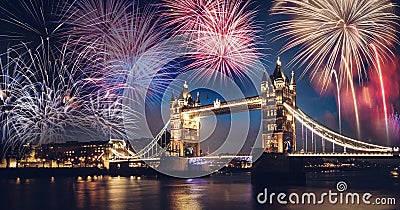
(72, 154)
(279, 125)
(185, 127)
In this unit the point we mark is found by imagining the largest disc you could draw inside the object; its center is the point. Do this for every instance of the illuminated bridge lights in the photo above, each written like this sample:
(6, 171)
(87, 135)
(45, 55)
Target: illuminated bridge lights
(341, 155)
(332, 136)
(252, 103)
(193, 160)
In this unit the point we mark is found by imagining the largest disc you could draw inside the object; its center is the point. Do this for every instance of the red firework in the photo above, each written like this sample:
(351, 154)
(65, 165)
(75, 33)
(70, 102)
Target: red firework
(222, 35)
(186, 15)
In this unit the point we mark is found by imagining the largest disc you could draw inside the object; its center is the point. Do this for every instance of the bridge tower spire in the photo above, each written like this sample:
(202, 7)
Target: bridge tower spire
(279, 126)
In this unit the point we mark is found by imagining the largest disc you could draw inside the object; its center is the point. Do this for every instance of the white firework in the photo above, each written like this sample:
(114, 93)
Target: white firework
(50, 97)
(331, 33)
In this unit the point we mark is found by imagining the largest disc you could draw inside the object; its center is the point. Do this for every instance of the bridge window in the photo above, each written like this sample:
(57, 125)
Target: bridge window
(271, 127)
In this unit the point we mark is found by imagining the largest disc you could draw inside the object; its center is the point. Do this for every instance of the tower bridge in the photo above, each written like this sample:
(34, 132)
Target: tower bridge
(277, 102)
(279, 126)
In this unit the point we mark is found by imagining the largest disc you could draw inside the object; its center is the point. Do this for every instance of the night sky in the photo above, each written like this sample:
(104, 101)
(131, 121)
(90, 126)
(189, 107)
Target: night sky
(321, 106)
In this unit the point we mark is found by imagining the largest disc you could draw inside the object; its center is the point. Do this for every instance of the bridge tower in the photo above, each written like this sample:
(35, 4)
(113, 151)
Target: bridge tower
(279, 126)
(185, 127)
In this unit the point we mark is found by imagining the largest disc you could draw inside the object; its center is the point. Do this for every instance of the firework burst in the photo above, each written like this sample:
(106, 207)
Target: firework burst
(331, 32)
(90, 22)
(129, 40)
(137, 50)
(50, 97)
(222, 35)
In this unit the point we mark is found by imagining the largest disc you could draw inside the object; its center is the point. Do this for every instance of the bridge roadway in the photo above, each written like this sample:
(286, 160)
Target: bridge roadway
(294, 155)
(240, 105)
(214, 157)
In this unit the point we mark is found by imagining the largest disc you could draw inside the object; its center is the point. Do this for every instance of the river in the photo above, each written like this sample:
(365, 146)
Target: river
(222, 191)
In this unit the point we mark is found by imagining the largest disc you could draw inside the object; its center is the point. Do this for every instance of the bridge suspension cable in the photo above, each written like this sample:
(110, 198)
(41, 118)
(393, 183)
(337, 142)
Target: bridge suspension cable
(332, 136)
(151, 150)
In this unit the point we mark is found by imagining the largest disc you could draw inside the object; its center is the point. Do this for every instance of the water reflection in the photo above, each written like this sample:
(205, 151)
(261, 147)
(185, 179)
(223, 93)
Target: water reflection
(215, 192)
(186, 196)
